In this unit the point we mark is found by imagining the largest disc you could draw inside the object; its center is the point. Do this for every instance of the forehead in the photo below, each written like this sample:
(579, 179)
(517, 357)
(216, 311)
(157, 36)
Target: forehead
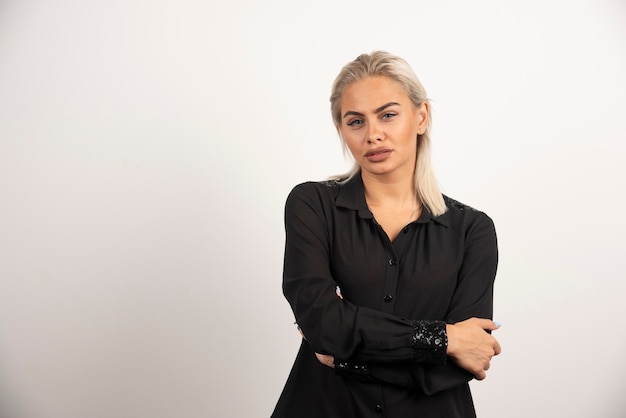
(372, 92)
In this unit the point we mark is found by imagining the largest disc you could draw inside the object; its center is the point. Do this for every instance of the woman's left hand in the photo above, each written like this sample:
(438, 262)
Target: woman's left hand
(326, 359)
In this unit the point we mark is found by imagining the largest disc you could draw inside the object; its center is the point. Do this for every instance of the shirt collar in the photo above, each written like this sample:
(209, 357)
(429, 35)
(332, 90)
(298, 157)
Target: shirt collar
(352, 196)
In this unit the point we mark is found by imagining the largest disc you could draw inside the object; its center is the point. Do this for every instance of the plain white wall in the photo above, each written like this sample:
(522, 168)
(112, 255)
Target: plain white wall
(147, 147)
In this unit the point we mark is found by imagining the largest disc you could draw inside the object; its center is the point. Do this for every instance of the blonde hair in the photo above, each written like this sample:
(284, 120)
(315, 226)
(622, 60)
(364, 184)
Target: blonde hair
(381, 63)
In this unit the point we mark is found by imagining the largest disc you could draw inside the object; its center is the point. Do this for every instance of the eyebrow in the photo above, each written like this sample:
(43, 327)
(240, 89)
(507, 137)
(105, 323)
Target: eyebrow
(377, 110)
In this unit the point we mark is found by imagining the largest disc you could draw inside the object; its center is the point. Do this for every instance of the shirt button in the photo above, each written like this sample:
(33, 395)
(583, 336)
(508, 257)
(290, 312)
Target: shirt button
(405, 229)
(379, 408)
(388, 298)
(393, 261)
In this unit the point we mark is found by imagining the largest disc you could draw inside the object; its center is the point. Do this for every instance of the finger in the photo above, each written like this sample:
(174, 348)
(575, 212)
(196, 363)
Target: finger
(496, 348)
(325, 359)
(488, 324)
(484, 323)
(480, 375)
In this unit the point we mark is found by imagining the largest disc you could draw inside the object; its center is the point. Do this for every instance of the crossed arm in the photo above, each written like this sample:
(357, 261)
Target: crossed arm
(469, 345)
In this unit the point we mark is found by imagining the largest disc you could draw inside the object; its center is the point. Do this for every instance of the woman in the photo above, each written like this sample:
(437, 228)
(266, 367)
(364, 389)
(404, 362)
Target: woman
(391, 282)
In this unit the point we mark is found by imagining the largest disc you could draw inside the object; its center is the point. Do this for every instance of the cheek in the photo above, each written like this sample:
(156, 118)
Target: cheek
(352, 147)
(352, 142)
(410, 135)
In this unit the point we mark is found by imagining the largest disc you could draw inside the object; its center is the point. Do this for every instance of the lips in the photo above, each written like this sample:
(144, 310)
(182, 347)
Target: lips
(378, 154)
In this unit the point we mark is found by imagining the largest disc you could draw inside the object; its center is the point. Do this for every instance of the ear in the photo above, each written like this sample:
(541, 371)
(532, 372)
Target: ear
(422, 117)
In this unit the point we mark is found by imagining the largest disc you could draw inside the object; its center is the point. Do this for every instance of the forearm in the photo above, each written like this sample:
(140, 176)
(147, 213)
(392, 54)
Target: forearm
(428, 372)
(426, 343)
(359, 334)
(425, 378)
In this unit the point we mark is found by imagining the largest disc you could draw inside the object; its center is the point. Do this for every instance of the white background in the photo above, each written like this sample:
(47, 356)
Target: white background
(147, 147)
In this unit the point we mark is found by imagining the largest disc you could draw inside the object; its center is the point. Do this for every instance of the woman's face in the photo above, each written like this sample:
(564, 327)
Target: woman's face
(380, 126)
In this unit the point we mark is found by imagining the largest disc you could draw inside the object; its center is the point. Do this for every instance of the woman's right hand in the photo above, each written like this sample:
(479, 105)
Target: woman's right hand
(471, 347)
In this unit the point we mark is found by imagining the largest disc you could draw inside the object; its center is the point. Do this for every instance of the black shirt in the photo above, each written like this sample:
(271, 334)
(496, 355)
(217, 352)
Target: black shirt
(439, 268)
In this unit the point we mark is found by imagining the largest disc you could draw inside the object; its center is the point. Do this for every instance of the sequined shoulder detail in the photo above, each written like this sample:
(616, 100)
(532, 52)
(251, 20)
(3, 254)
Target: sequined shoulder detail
(332, 184)
(451, 203)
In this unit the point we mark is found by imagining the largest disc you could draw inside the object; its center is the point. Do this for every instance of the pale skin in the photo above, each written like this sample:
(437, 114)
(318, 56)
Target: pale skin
(380, 126)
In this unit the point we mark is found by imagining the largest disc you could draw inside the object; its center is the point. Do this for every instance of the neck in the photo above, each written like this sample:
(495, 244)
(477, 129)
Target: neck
(383, 191)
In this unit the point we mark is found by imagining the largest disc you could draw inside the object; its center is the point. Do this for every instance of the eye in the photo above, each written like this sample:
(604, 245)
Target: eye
(355, 122)
(388, 115)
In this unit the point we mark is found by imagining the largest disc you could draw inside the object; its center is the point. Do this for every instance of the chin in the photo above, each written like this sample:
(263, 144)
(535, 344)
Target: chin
(379, 171)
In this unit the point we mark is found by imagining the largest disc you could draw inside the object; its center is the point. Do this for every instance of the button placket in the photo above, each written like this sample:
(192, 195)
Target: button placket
(391, 281)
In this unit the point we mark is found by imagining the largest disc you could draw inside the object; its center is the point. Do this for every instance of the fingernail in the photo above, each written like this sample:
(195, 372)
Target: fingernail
(498, 324)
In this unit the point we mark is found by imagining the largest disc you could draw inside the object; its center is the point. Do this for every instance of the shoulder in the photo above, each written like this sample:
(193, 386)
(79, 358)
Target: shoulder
(456, 206)
(461, 215)
(314, 190)
(314, 193)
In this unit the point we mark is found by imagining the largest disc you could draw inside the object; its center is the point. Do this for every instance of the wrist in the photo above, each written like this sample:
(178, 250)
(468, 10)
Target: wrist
(451, 333)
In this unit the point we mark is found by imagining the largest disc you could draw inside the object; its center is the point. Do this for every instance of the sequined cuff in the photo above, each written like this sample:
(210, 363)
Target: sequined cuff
(429, 342)
(351, 368)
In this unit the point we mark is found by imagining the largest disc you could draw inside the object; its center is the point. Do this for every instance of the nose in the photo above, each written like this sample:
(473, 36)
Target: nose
(374, 133)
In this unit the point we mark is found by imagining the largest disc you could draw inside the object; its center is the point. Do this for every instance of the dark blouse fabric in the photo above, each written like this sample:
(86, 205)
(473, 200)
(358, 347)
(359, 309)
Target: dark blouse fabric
(439, 268)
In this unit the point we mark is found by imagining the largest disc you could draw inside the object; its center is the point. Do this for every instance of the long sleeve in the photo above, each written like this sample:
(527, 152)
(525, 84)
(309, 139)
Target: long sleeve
(473, 296)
